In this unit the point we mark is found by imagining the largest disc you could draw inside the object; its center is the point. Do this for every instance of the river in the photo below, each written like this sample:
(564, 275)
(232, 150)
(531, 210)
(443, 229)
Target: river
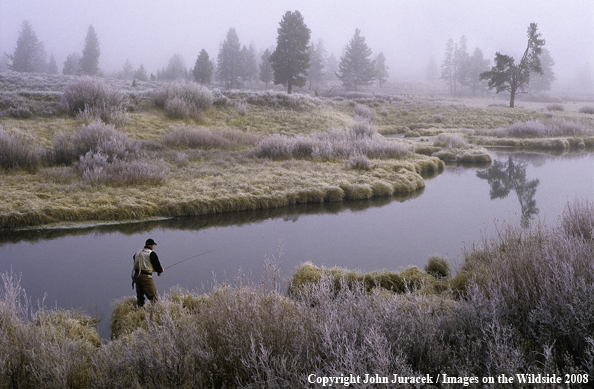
(89, 268)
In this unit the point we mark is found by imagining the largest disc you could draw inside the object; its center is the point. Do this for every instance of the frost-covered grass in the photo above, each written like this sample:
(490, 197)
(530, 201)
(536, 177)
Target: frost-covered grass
(183, 101)
(18, 151)
(360, 139)
(520, 304)
(547, 128)
(92, 99)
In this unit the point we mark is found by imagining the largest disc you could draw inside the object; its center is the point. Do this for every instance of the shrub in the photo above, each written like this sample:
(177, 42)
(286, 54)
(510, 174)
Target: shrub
(91, 99)
(113, 143)
(364, 112)
(177, 108)
(531, 129)
(362, 128)
(555, 107)
(588, 109)
(359, 161)
(330, 145)
(451, 141)
(18, 152)
(185, 136)
(95, 168)
(183, 100)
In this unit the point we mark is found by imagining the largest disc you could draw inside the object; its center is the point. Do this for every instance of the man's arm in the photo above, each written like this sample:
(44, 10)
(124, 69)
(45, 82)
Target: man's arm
(155, 262)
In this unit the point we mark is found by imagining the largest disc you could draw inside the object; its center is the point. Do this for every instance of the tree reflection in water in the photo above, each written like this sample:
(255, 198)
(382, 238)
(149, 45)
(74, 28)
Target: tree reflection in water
(503, 177)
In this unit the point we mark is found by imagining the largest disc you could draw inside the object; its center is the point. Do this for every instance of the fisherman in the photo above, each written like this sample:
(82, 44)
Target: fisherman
(146, 262)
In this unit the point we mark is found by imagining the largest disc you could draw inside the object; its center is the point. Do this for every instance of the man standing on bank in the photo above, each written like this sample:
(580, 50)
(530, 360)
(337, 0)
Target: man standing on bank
(146, 262)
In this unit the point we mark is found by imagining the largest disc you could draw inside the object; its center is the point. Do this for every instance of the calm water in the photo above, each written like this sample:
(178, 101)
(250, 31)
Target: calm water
(90, 268)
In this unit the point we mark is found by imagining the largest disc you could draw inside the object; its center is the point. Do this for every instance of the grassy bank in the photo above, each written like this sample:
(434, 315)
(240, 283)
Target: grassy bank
(520, 304)
(151, 149)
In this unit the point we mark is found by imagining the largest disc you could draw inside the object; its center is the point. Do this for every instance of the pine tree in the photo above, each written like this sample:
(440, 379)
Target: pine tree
(316, 74)
(229, 60)
(542, 82)
(507, 76)
(447, 66)
(290, 59)
(381, 70)
(140, 74)
(52, 66)
(29, 55)
(461, 64)
(89, 63)
(72, 65)
(176, 69)
(249, 67)
(356, 68)
(266, 73)
(477, 64)
(127, 70)
(203, 68)
(431, 71)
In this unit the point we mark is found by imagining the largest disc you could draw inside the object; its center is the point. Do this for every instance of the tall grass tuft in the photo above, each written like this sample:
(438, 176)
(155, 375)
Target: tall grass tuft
(18, 152)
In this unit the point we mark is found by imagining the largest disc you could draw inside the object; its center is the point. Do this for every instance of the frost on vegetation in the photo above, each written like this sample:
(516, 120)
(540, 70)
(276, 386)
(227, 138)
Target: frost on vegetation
(97, 168)
(18, 151)
(360, 139)
(520, 304)
(185, 136)
(272, 99)
(533, 129)
(68, 148)
(451, 141)
(183, 101)
(91, 99)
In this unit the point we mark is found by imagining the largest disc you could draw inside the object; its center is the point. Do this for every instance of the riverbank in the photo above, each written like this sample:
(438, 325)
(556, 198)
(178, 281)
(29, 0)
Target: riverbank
(520, 304)
(245, 150)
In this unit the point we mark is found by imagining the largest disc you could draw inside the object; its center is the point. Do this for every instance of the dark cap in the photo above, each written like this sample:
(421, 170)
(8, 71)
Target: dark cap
(150, 242)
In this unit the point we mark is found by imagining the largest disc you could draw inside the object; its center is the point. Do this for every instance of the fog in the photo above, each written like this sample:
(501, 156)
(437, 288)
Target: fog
(408, 32)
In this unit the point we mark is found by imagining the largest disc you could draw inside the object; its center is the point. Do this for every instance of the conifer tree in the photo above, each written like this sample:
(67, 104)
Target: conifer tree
(140, 73)
(229, 60)
(266, 73)
(52, 66)
(316, 73)
(290, 60)
(447, 66)
(203, 68)
(89, 63)
(356, 68)
(506, 75)
(29, 55)
(72, 65)
(381, 70)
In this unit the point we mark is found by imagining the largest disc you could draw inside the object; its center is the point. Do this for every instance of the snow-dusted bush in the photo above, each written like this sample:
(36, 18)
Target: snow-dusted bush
(90, 98)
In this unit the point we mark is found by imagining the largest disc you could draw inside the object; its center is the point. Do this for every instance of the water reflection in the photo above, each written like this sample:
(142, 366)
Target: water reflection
(504, 177)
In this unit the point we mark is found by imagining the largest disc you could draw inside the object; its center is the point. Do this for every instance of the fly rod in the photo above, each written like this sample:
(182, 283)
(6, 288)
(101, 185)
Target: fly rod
(197, 255)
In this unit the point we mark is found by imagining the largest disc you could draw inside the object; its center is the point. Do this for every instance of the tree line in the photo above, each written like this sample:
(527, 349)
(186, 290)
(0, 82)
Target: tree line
(296, 61)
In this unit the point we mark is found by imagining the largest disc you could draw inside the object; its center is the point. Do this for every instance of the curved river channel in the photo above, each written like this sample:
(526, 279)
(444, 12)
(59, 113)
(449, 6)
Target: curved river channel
(89, 268)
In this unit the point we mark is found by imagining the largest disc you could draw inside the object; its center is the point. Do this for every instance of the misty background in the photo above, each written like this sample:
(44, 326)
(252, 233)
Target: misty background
(409, 32)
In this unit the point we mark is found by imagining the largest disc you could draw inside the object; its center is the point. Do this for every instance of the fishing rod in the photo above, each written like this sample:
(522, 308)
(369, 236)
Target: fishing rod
(197, 255)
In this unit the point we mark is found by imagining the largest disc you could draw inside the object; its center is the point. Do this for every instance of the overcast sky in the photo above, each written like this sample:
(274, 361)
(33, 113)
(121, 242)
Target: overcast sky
(408, 32)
